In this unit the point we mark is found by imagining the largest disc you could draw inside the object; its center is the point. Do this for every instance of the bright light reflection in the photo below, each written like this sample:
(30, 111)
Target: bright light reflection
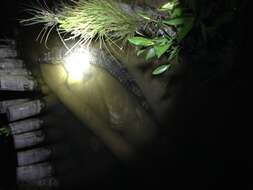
(77, 64)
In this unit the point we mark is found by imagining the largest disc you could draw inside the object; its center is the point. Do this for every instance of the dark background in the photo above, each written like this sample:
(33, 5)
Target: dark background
(211, 145)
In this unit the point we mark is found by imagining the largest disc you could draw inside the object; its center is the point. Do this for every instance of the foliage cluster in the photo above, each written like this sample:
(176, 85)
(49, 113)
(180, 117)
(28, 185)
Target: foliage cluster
(169, 31)
(156, 36)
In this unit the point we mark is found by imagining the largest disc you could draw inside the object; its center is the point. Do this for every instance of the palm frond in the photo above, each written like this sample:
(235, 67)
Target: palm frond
(89, 20)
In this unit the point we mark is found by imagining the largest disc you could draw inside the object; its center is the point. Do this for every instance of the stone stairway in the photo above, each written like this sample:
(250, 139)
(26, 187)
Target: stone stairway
(34, 168)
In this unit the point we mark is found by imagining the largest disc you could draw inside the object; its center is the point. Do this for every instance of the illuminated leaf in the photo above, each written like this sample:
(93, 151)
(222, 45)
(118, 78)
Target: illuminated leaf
(140, 41)
(162, 41)
(150, 54)
(140, 52)
(161, 49)
(144, 16)
(161, 69)
(170, 5)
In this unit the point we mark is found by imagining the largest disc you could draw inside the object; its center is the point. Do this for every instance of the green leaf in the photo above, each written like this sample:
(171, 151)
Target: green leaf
(185, 29)
(161, 69)
(140, 52)
(161, 49)
(139, 33)
(173, 53)
(162, 41)
(170, 5)
(144, 16)
(150, 54)
(175, 21)
(140, 41)
(177, 12)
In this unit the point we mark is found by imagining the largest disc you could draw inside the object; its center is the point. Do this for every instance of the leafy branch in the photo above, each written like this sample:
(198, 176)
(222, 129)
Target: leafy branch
(162, 35)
